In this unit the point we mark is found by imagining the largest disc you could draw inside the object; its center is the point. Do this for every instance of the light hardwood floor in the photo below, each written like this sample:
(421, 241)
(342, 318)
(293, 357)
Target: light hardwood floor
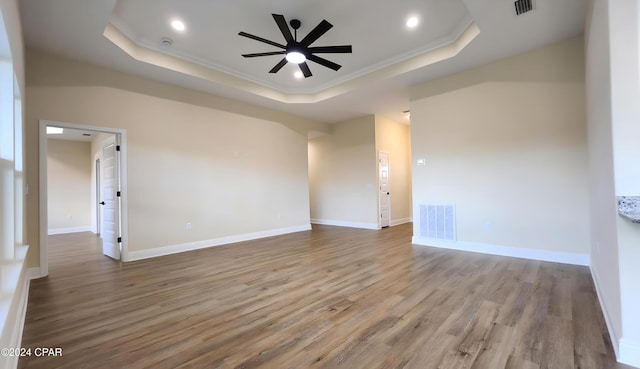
(329, 298)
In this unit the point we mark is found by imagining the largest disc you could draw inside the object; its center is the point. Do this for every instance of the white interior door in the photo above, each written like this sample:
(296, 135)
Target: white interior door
(98, 198)
(110, 181)
(383, 185)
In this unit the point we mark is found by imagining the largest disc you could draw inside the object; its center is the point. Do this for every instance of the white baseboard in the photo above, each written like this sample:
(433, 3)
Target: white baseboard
(395, 222)
(615, 340)
(69, 230)
(340, 223)
(516, 252)
(629, 352)
(174, 249)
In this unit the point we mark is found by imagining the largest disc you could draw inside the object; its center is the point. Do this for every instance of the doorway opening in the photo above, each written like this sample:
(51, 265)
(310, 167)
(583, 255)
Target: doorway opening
(110, 170)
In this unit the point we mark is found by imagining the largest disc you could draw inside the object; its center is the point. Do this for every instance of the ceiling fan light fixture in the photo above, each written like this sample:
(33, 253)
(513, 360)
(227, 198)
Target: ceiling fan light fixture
(295, 57)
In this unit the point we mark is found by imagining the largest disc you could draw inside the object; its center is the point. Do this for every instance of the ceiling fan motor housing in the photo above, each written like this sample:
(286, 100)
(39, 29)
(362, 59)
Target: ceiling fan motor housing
(295, 24)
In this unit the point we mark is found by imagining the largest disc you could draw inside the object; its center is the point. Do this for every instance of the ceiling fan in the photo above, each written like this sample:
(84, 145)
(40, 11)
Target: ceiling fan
(298, 52)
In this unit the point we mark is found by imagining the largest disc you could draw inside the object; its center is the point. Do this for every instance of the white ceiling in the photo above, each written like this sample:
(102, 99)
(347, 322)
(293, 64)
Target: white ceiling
(387, 57)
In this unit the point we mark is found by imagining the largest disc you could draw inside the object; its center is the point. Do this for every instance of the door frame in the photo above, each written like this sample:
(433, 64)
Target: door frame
(389, 180)
(97, 164)
(43, 191)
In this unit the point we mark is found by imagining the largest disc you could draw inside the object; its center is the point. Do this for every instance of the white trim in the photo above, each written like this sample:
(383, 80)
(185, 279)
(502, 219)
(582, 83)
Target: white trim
(516, 252)
(33, 273)
(629, 352)
(43, 206)
(69, 230)
(388, 183)
(615, 341)
(16, 329)
(44, 262)
(400, 221)
(174, 249)
(95, 195)
(340, 223)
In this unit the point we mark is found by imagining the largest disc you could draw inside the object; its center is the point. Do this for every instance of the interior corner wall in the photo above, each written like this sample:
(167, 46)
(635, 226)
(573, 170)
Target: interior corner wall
(604, 243)
(228, 174)
(506, 144)
(69, 185)
(395, 139)
(624, 53)
(342, 175)
(613, 91)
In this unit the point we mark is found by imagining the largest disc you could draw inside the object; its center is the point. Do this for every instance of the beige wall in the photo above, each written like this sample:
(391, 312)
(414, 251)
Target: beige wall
(506, 143)
(395, 138)
(613, 93)
(342, 175)
(624, 21)
(604, 244)
(68, 184)
(226, 173)
(50, 70)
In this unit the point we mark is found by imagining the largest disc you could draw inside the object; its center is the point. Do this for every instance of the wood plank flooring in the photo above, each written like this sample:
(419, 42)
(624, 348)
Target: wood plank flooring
(328, 298)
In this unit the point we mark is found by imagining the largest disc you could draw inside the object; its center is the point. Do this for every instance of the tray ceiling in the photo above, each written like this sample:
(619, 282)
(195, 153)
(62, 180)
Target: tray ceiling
(387, 58)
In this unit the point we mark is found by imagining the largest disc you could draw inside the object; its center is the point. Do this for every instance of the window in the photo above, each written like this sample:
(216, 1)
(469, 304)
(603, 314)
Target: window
(12, 250)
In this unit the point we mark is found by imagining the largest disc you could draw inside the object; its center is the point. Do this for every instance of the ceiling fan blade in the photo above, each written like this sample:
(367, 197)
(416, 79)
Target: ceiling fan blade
(278, 66)
(315, 33)
(324, 62)
(331, 49)
(263, 54)
(248, 35)
(284, 28)
(304, 68)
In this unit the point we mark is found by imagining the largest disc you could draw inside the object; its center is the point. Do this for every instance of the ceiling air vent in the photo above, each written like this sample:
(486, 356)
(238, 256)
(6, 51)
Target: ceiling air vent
(522, 6)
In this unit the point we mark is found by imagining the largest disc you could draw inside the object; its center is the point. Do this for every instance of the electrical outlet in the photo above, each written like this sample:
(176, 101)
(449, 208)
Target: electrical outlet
(188, 226)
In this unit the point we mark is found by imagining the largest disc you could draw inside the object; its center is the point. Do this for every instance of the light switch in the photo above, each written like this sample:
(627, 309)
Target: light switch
(421, 162)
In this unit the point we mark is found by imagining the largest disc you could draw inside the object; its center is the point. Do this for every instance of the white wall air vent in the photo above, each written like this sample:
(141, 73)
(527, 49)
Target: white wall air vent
(438, 221)
(523, 6)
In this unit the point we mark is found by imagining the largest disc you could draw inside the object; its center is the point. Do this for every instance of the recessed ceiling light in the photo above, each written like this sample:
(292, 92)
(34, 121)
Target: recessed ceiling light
(412, 22)
(178, 25)
(54, 130)
(298, 74)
